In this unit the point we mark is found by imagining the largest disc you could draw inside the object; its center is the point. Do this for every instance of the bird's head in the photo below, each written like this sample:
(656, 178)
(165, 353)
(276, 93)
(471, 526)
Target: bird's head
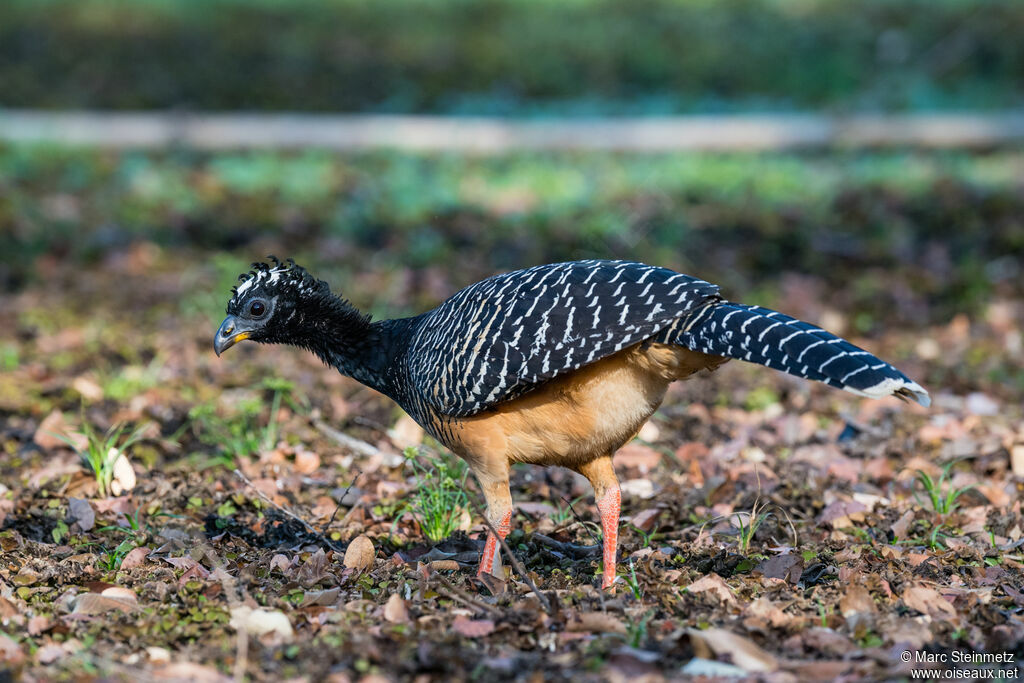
(273, 305)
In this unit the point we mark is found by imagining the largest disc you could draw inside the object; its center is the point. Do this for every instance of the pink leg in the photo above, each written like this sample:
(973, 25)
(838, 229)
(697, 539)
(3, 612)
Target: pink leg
(609, 506)
(491, 547)
(601, 474)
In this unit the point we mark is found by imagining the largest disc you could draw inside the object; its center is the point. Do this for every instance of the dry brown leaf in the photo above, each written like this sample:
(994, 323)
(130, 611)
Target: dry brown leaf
(306, 462)
(714, 584)
(1017, 460)
(38, 624)
(189, 671)
(713, 642)
(473, 628)
(595, 622)
(360, 553)
(788, 566)
(50, 653)
(765, 609)
(10, 652)
(53, 427)
(280, 562)
(136, 557)
(634, 454)
(325, 597)
(842, 512)
(928, 601)
(644, 520)
(406, 433)
(856, 601)
(395, 610)
(114, 598)
(81, 513)
(88, 388)
(901, 528)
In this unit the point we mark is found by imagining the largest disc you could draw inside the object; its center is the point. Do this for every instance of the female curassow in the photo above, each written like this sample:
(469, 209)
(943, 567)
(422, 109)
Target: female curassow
(553, 365)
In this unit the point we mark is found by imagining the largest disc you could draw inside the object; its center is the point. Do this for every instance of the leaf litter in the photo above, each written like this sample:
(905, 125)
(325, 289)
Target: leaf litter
(314, 559)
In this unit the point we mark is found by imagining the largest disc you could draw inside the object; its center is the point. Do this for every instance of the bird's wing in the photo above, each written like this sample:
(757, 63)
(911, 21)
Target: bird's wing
(499, 338)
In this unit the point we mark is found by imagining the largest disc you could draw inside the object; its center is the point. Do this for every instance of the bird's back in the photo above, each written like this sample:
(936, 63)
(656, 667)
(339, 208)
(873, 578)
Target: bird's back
(503, 336)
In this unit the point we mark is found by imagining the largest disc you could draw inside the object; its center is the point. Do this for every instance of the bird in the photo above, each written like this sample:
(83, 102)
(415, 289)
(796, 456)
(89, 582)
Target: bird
(556, 365)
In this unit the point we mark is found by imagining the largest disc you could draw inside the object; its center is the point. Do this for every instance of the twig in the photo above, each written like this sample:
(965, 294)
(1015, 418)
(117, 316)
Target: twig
(580, 520)
(460, 595)
(342, 498)
(231, 589)
(345, 440)
(517, 565)
(309, 527)
(577, 552)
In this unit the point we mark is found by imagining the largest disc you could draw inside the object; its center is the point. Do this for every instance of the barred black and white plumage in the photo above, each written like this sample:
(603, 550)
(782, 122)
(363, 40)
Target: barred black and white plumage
(508, 334)
(761, 335)
(554, 365)
(496, 339)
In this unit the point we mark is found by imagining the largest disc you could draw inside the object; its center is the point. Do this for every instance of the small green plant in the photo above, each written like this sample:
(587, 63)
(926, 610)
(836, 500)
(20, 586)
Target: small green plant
(824, 612)
(749, 523)
(942, 495)
(636, 629)
(646, 537)
(101, 452)
(440, 499)
(563, 513)
(633, 582)
(244, 433)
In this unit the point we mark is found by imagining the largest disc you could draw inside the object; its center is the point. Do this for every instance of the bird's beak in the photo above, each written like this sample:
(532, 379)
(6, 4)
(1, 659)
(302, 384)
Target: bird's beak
(228, 335)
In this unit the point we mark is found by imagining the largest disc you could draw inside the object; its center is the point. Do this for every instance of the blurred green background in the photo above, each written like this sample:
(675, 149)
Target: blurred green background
(513, 57)
(890, 237)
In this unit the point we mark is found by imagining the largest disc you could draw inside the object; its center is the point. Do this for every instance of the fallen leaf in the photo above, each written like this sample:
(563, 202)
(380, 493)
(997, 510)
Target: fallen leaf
(135, 558)
(901, 528)
(634, 454)
(306, 462)
(473, 628)
(50, 653)
(189, 671)
(842, 512)
(1017, 460)
(280, 562)
(595, 622)
(88, 388)
(856, 601)
(744, 653)
(325, 597)
(714, 584)
(360, 553)
(788, 567)
(260, 622)
(406, 433)
(52, 428)
(81, 513)
(928, 601)
(644, 520)
(114, 598)
(9, 650)
(314, 569)
(765, 609)
(395, 610)
(38, 624)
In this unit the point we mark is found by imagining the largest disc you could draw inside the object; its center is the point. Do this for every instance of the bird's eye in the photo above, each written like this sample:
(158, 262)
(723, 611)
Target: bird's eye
(257, 309)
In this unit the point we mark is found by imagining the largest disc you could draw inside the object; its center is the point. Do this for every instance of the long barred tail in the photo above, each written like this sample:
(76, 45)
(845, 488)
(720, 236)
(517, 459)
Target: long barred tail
(761, 335)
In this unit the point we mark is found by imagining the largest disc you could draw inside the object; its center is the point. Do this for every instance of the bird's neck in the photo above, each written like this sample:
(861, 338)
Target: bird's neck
(345, 339)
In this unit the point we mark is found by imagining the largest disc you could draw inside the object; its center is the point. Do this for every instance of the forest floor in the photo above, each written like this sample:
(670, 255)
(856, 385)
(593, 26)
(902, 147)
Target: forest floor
(270, 524)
